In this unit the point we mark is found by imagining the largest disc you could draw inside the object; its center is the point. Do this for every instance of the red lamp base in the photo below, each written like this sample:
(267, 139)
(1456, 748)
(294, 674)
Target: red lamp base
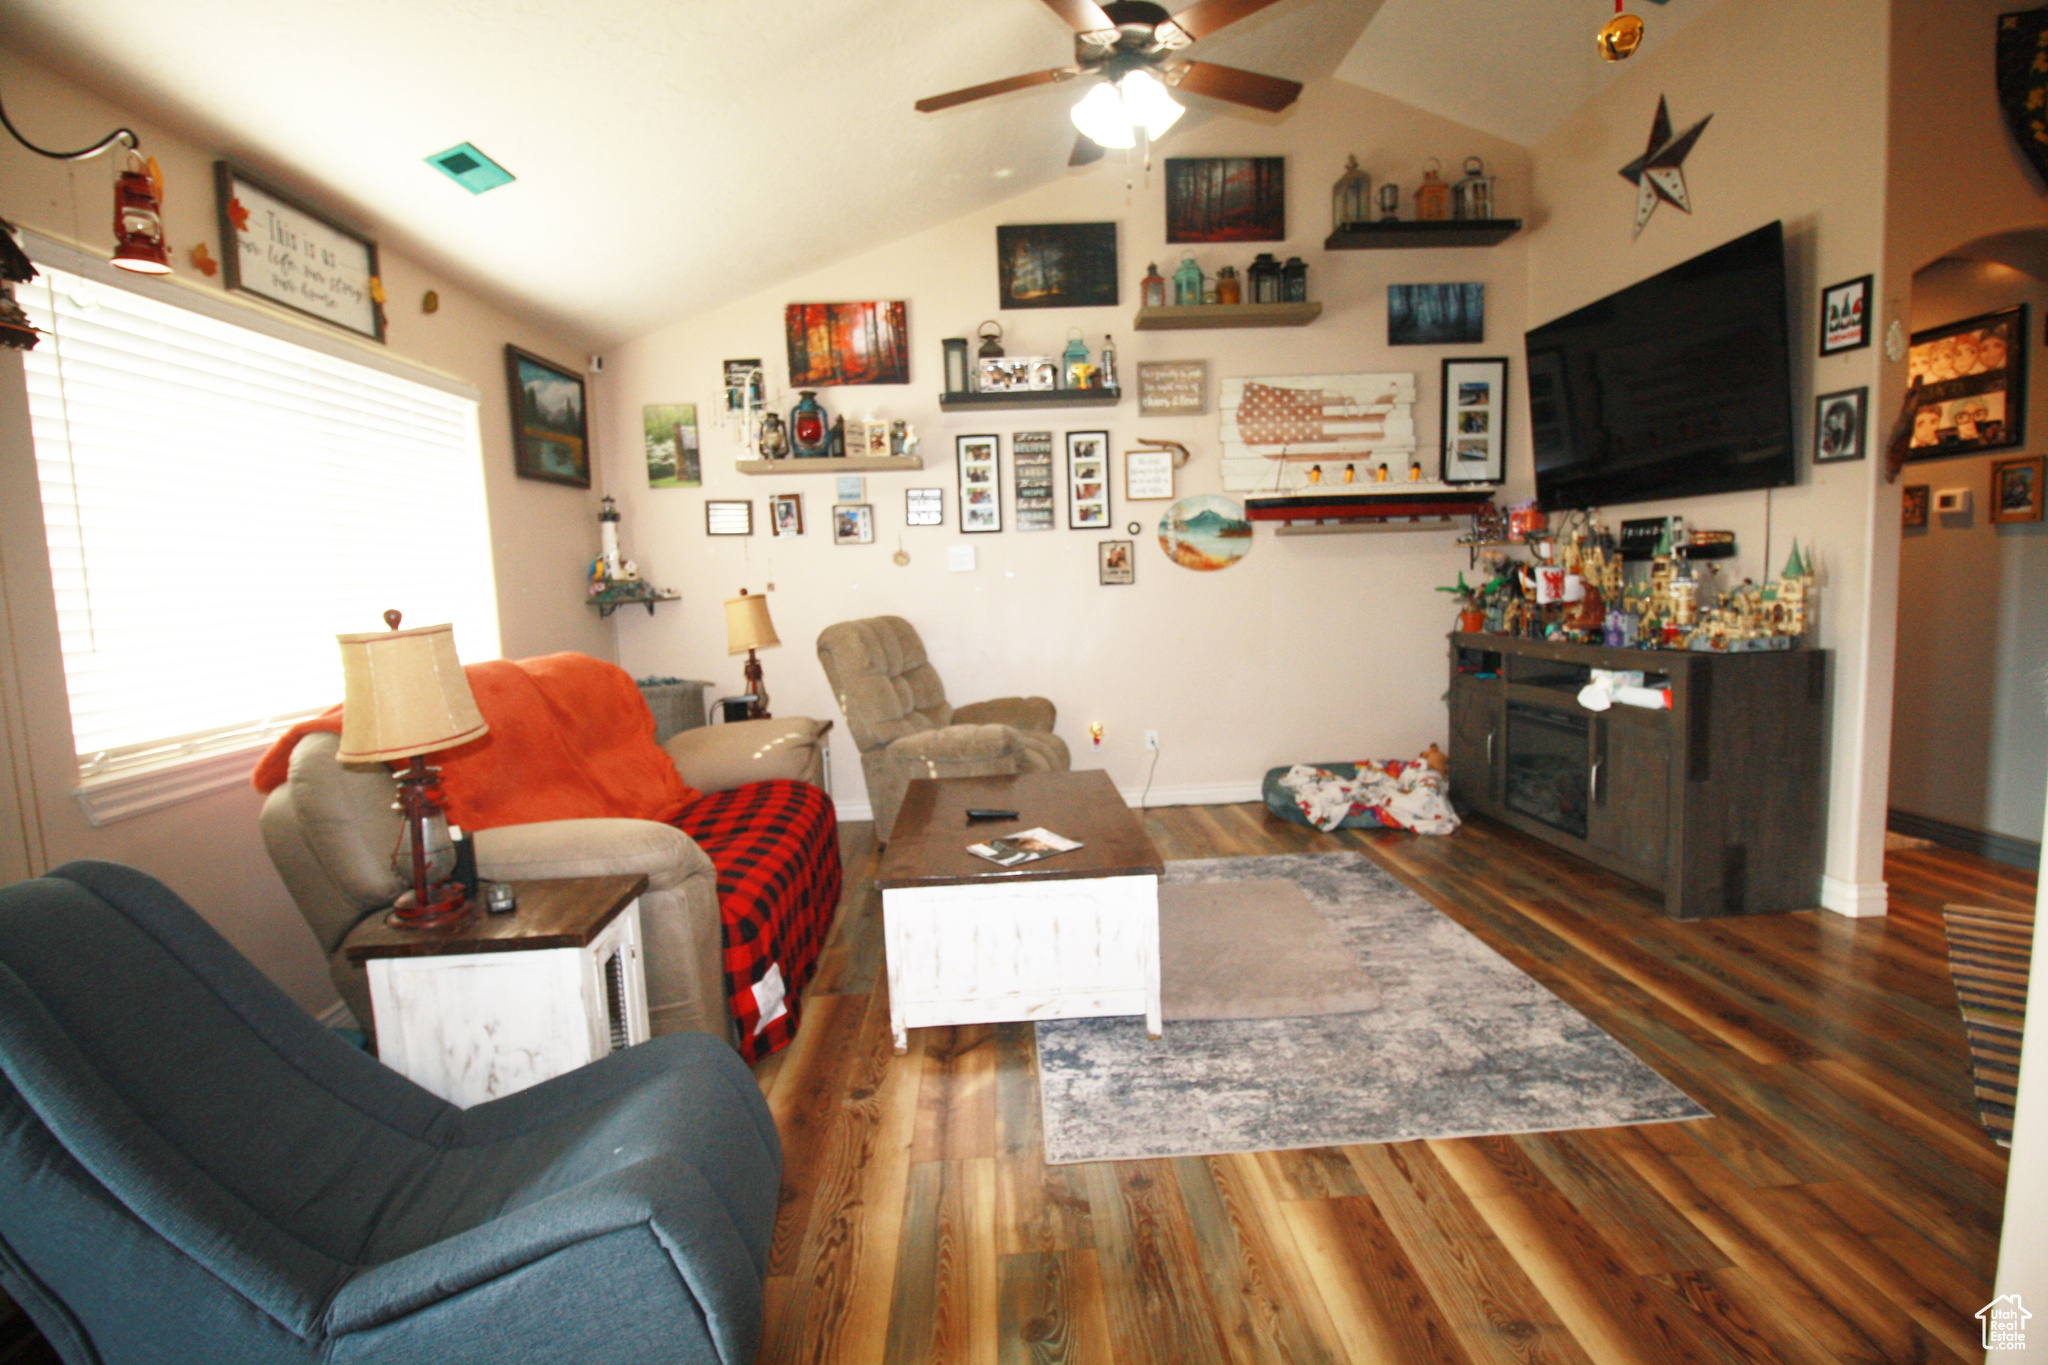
(445, 904)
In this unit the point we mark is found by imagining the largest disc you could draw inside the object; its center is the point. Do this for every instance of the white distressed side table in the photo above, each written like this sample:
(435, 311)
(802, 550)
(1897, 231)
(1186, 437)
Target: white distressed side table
(1074, 935)
(495, 1003)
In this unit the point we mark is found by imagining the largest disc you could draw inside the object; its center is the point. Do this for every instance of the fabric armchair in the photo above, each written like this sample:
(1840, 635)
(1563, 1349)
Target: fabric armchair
(896, 710)
(195, 1169)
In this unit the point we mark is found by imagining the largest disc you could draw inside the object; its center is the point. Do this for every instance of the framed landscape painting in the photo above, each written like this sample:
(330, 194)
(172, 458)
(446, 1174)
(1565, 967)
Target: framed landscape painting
(550, 429)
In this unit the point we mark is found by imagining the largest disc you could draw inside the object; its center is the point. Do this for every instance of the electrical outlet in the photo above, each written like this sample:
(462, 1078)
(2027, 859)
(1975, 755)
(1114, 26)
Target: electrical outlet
(1152, 741)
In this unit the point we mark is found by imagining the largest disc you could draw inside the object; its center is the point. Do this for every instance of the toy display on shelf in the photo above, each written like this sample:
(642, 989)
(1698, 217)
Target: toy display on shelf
(1576, 588)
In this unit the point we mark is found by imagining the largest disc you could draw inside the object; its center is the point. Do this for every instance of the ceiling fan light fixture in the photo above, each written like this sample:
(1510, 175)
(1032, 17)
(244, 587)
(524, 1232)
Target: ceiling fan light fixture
(1102, 118)
(1146, 103)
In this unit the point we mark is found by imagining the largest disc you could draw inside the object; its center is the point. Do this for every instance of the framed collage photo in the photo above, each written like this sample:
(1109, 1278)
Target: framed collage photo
(853, 523)
(981, 497)
(1475, 420)
(1973, 385)
(1087, 480)
(1838, 425)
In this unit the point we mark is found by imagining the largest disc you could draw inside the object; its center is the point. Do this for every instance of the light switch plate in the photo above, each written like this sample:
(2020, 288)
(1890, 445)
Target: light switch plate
(1952, 500)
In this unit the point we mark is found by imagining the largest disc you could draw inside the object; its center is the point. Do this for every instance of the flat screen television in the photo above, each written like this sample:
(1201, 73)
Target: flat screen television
(1673, 387)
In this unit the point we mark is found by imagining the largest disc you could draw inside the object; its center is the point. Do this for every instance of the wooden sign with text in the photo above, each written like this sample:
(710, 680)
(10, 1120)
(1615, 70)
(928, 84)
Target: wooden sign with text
(281, 250)
(1173, 388)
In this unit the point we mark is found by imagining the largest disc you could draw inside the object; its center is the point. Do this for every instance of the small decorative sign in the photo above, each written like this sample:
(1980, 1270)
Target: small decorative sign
(279, 249)
(1148, 474)
(1031, 469)
(924, 507)
(728, 517)
(1845, 316)
(1173, 388)
(1115, 563)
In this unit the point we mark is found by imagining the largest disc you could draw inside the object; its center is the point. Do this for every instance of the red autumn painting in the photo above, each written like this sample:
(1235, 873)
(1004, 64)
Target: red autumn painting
(847, 343)
(1226, 199)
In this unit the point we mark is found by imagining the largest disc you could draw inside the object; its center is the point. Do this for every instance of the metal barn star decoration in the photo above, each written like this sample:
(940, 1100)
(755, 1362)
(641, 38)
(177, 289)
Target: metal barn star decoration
(1659, 173)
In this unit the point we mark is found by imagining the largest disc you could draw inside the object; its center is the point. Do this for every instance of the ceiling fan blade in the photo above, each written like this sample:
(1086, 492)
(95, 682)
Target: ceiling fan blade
(1002, 87)
(1086, 151)
(1269, 93)
(1204, 17)
(1083, 16)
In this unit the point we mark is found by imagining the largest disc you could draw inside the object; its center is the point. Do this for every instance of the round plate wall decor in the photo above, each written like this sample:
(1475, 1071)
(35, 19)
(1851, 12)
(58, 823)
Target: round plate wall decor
(1205, 532)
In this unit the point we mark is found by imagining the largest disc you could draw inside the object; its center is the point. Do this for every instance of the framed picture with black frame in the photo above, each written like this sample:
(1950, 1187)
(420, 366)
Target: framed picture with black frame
(1845, 316)
(1474, 403)
(1838, 422)
(1973, 385)
(1088, 480)
(550, 429)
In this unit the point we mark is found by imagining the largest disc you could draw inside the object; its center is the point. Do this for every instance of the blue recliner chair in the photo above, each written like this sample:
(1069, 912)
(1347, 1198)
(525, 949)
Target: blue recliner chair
(191, 1169)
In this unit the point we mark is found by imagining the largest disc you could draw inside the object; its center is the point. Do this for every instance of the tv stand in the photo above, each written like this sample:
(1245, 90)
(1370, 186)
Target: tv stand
(1719, 802)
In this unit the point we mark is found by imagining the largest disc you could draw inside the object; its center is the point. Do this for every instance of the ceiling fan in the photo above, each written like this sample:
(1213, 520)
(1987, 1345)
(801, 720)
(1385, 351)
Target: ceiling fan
(1134, 45)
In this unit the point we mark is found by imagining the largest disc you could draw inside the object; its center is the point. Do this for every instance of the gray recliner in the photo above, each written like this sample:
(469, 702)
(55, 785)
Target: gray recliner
(896, 709)
(192, 1169)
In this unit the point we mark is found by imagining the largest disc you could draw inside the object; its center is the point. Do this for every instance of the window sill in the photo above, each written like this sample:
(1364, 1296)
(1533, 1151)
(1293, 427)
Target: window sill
(106, 800)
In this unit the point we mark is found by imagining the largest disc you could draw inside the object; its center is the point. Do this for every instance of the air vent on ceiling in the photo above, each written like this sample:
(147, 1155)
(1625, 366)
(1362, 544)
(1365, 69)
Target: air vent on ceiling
(470, 168)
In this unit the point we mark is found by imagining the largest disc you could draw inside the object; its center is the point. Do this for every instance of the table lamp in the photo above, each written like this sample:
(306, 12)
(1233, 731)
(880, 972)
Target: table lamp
(405, 696)
(747, 628)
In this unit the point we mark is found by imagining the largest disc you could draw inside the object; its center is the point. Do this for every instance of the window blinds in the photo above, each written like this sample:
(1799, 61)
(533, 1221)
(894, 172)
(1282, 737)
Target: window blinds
(219, 504)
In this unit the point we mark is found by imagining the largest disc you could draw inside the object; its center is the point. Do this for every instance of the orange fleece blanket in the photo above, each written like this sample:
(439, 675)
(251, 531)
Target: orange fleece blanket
(571, 738)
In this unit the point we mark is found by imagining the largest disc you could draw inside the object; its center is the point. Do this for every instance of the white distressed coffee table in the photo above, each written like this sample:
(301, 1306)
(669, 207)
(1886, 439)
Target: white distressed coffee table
(1071, 936)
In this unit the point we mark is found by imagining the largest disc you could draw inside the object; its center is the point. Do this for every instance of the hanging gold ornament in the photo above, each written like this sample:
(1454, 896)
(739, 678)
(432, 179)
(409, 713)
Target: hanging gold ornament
(1620, 36)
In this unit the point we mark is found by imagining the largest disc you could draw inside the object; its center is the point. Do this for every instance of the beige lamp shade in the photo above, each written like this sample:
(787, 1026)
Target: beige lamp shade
(404, 693)
(747, 625)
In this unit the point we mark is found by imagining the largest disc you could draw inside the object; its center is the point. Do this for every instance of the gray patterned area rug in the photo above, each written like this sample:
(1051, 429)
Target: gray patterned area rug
(1463, 1044)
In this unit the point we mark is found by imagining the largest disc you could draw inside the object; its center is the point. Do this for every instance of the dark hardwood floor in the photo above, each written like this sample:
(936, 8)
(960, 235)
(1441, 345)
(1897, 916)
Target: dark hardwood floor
(1842, 1205)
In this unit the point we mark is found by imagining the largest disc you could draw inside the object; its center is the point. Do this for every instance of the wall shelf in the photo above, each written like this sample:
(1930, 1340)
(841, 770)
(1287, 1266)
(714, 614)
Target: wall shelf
(1426, 507)
(1030, 398)
(1175, 317)
(607, 605)
(850, 464)
(1413, 235)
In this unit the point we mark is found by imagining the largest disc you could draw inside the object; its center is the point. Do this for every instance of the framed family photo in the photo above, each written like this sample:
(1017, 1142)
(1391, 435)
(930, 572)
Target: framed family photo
(1116, 562)
(1475, 420)
(1087, 480)
(2016, 489)
(853, 523)
(786, 513)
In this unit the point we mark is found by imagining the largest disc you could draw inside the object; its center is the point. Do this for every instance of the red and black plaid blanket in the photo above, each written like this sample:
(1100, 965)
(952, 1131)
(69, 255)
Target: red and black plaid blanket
(776, 847)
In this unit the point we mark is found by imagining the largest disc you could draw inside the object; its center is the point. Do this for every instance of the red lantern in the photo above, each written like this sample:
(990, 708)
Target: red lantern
(138, 220)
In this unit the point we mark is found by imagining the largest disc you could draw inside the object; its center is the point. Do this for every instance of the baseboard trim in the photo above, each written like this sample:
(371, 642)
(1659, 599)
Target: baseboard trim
(1199, 794)
(1999, 848)
(1856, 900)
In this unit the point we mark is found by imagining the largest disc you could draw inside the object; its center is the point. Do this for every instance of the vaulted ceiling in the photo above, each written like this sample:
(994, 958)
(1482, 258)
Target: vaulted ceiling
(673, 154)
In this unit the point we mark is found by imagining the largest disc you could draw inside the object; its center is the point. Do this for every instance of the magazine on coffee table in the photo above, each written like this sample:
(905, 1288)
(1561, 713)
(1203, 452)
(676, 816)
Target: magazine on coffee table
(1025, 846)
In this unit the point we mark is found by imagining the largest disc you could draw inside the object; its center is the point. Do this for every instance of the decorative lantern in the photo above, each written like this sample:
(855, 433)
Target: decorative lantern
(956, 364)
(1074, 365)
(809, 436)
(1154, 287)
(1187, 282)
(1432, 196)
(1228, 287)
(1390, 203)
(138, 219)
(1294, 281)
(774, 443)
(1351, 198)
(1472, 197)
(1264, 277)
(991, 341)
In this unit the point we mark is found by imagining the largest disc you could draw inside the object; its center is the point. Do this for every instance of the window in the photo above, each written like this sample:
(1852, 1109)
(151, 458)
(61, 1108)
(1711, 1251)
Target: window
(219, 503)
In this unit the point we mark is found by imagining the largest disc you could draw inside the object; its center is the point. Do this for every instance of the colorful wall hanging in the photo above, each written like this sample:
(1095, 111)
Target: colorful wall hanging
(847, 343)
(1331, 419)
(1205, 532)
(670, 433)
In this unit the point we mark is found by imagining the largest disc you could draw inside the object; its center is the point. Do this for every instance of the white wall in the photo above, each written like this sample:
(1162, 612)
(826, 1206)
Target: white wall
(1810, 152)
(1310, 648)
(208, 849)
(1970, 712)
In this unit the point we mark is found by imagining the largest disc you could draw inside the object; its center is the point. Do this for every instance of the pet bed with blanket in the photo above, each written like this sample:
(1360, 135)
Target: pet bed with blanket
(1412, 795)
(571, 738)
